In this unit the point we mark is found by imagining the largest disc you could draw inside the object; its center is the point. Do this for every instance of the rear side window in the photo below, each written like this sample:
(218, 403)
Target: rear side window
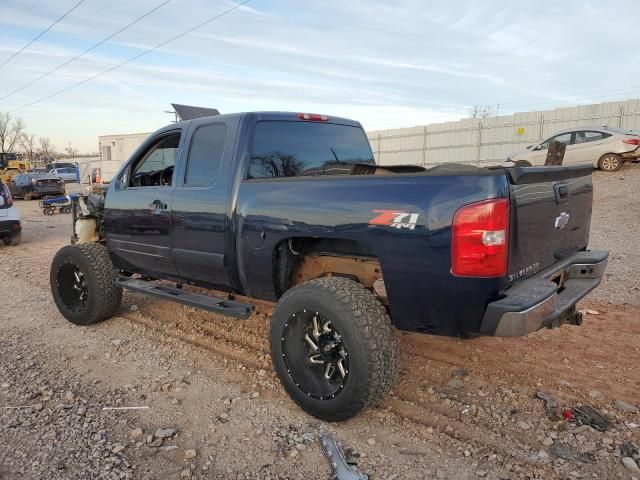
(205, 156)
(296, 149)
(589, 136)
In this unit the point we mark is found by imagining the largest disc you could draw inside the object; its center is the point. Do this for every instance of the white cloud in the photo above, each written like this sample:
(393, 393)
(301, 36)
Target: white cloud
(387, 64)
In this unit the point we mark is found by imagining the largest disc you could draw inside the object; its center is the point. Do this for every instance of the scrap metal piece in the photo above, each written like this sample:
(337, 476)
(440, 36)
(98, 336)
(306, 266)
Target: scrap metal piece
(586, 415)
(340, 467)
(550, 404)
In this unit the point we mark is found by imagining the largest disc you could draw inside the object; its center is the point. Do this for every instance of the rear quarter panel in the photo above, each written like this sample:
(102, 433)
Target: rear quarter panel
(422, 293)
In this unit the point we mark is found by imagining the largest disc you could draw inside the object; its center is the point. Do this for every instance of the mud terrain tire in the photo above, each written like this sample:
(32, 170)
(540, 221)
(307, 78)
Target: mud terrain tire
(364, 331)
(83, 283)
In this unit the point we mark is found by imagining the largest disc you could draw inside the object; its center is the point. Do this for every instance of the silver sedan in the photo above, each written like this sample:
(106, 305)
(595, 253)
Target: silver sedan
(605, 148)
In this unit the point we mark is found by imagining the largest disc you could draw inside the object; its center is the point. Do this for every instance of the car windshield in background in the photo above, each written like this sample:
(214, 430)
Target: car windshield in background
(295, 149)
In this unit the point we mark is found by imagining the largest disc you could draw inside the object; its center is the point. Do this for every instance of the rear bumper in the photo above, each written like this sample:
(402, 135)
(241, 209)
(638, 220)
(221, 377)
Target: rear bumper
(9, 227)
(633, 155)
(42, 191)
(541, 302)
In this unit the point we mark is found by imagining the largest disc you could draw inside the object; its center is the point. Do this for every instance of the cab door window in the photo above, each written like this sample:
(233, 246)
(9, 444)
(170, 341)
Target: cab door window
(155, 167)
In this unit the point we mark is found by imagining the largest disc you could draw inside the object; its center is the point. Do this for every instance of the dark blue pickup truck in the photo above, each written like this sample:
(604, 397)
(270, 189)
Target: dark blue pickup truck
(292, 208)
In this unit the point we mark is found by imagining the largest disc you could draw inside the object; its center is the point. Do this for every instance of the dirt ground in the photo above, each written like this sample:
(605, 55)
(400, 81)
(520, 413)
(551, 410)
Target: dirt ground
(209, 405)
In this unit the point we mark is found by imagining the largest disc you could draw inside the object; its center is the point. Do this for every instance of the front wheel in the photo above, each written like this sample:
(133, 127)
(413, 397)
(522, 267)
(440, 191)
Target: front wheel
(610, 162)
(83, 283)
(333, 347)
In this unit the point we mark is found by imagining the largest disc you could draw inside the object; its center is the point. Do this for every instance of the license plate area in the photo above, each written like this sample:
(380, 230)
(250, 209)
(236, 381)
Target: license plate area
(559, 278)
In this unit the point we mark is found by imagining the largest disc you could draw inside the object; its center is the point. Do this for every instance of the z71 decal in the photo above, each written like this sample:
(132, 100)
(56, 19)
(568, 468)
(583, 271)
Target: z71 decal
(395, 219)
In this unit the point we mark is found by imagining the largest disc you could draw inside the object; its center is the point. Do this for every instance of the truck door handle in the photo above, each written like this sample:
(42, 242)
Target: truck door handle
(562, 193)
(157, 206)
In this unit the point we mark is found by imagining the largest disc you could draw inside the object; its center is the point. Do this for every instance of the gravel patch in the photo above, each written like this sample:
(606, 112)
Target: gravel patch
(614, 227)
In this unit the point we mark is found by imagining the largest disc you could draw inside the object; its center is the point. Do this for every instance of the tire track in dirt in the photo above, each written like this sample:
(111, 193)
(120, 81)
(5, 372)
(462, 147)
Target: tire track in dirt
(230, 350)
(431, 414)
(425, 363)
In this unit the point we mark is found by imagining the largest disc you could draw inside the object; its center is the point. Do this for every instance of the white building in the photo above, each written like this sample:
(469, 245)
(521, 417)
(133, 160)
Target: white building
(115, 150)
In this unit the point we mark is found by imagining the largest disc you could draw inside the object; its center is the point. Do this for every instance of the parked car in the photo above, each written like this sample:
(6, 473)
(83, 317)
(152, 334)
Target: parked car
(605, 148)
(67, 174)
(292, 208)
(36, 185)
(10, 226)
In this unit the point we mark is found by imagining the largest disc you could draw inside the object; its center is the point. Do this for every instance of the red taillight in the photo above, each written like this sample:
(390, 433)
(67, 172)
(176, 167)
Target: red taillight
(480, 239)
(312, 117)
(632, 141)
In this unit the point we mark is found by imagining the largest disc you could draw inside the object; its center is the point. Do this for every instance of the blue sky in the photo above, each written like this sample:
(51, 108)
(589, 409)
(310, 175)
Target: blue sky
(387, 64)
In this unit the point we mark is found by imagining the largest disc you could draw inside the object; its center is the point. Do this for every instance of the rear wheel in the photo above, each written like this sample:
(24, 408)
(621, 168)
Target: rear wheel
(13, 240)
(610, 162)
(333, 347)
(83, 283)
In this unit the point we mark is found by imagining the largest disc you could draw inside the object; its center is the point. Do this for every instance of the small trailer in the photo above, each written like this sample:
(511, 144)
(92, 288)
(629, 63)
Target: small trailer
(63, 204)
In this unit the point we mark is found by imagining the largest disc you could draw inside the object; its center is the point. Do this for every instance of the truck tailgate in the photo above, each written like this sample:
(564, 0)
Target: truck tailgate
(551, 216)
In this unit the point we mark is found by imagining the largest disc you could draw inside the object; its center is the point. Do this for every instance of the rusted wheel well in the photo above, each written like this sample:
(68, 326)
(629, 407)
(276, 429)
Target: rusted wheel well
(300, 259)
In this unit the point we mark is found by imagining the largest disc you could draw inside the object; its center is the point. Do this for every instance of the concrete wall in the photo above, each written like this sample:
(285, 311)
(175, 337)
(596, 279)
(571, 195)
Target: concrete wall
(489, 141)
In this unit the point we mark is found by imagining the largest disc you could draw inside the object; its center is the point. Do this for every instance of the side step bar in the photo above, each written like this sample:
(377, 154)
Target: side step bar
(197, 300)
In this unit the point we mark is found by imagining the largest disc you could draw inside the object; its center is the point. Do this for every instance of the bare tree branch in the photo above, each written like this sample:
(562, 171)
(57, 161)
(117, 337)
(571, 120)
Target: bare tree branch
(46, 149)
(28, 143)
(481, 111)
(11, 129)
(70, 151)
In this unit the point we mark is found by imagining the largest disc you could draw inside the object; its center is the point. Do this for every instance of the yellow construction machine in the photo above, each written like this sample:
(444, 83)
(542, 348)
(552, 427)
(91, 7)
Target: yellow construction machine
(10, 166)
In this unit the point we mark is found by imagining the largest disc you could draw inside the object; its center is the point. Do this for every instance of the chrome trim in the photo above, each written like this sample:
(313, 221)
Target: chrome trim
(517, 324)
(586, 270)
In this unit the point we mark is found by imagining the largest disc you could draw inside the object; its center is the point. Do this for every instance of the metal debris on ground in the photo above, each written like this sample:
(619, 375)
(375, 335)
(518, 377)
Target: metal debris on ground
(565, 452)
(550, 405)
(586, 415)
(628, 449)
(126, 408)
(339, 466)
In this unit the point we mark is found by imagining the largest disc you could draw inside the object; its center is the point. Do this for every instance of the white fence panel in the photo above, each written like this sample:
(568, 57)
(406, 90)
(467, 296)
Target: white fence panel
(488, 141)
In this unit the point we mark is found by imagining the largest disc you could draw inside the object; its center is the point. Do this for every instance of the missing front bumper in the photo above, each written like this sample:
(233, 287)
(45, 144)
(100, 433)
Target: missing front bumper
(541, 302)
